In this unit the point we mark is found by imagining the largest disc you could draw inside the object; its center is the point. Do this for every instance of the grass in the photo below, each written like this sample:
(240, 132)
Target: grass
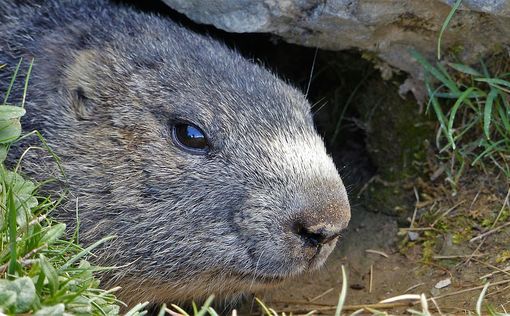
(471, 104)
(41, 271)
(472, 107)
(446, 22)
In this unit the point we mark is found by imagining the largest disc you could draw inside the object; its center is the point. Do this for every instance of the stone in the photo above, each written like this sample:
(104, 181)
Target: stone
(386, 28)
(443, 283)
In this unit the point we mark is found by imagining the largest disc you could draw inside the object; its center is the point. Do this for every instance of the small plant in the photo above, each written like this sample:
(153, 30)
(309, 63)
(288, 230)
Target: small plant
(40, 271)
(473, 110)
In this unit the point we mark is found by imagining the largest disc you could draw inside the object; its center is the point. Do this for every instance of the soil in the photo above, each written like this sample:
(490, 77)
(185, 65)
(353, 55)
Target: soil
(379, 268)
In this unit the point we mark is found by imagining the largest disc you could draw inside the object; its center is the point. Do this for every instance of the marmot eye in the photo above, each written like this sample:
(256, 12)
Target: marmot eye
(190, 138)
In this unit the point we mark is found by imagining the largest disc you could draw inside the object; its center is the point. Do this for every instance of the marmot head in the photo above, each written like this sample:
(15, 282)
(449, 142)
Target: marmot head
(206, 166)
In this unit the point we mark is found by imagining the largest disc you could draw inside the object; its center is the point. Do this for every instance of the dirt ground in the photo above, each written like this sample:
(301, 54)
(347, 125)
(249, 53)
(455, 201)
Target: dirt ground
(373, 277)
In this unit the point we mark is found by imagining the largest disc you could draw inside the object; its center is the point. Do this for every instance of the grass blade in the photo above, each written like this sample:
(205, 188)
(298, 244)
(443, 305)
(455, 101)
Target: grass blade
(11, 209)
(504, 113)
(451, 95)
(343, 293)
(25, 88)
(465, 69)
(49, 272)
(85, 252)
(180, 310)
(13, 79)
(451, 85)
(445, 25)
(480, 299)
(487, 151)
(205, 307)
(440, 115)
(264, 307)
(453, 113)
(495, 81)
(137, 309)
(487, 112)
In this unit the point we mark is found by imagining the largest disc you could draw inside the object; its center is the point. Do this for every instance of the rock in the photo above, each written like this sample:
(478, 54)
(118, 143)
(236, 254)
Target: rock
(387, 28)
(443, 283)
(413, 236)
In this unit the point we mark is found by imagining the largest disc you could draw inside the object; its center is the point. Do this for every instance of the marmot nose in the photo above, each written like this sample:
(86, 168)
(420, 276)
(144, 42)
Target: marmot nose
(315, 235)
(318, 226)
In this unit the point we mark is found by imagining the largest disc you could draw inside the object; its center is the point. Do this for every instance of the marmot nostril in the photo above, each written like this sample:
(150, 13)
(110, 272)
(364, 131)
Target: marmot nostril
(320, 226)
(315, 235)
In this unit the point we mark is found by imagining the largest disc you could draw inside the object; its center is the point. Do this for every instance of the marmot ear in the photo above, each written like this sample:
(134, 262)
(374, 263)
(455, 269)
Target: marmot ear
(81, 86)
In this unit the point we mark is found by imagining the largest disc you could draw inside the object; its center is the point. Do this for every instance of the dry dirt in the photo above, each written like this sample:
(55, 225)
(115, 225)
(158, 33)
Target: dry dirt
(373, 277)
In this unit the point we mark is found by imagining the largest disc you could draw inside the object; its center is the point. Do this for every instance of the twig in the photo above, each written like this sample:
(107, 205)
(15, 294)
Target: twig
(426, 203)
(502, 208)
(365, 186)
(437, 306)
(375, 179)
(474, 200)
(469, 290)
(488, 275)
(498, 291)
(25, 260)
(493, 224)
(459, 256)
(403, 297)
(417, 196)
(418, 229)
(413, 287)
(447, 212)
(321, 295)
(371, 278)
(377, 252)
(490, 232)
(492, 266)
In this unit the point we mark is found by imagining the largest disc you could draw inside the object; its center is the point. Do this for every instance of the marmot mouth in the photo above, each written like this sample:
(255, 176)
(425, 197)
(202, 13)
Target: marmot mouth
(315, 259)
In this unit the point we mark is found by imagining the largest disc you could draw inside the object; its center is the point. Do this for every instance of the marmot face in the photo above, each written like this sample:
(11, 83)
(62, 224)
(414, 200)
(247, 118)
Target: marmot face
(205, 166)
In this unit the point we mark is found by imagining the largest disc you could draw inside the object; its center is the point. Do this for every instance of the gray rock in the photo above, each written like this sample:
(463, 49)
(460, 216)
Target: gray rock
(387, 28)
(496, 7)
(413, 236)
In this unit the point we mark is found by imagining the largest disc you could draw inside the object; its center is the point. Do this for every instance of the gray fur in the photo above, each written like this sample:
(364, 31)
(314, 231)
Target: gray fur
(107, 84)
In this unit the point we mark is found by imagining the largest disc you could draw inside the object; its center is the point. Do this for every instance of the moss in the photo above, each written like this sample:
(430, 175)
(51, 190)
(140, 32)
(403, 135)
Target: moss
(503, 256)
(396, 136)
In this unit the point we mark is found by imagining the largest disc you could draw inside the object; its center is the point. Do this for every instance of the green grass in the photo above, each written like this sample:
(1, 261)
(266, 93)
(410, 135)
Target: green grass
(41, 271)
(446, 22)
(472, 107)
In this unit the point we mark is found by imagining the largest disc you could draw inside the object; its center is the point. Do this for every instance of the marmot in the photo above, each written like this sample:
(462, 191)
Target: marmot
(206, 166)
